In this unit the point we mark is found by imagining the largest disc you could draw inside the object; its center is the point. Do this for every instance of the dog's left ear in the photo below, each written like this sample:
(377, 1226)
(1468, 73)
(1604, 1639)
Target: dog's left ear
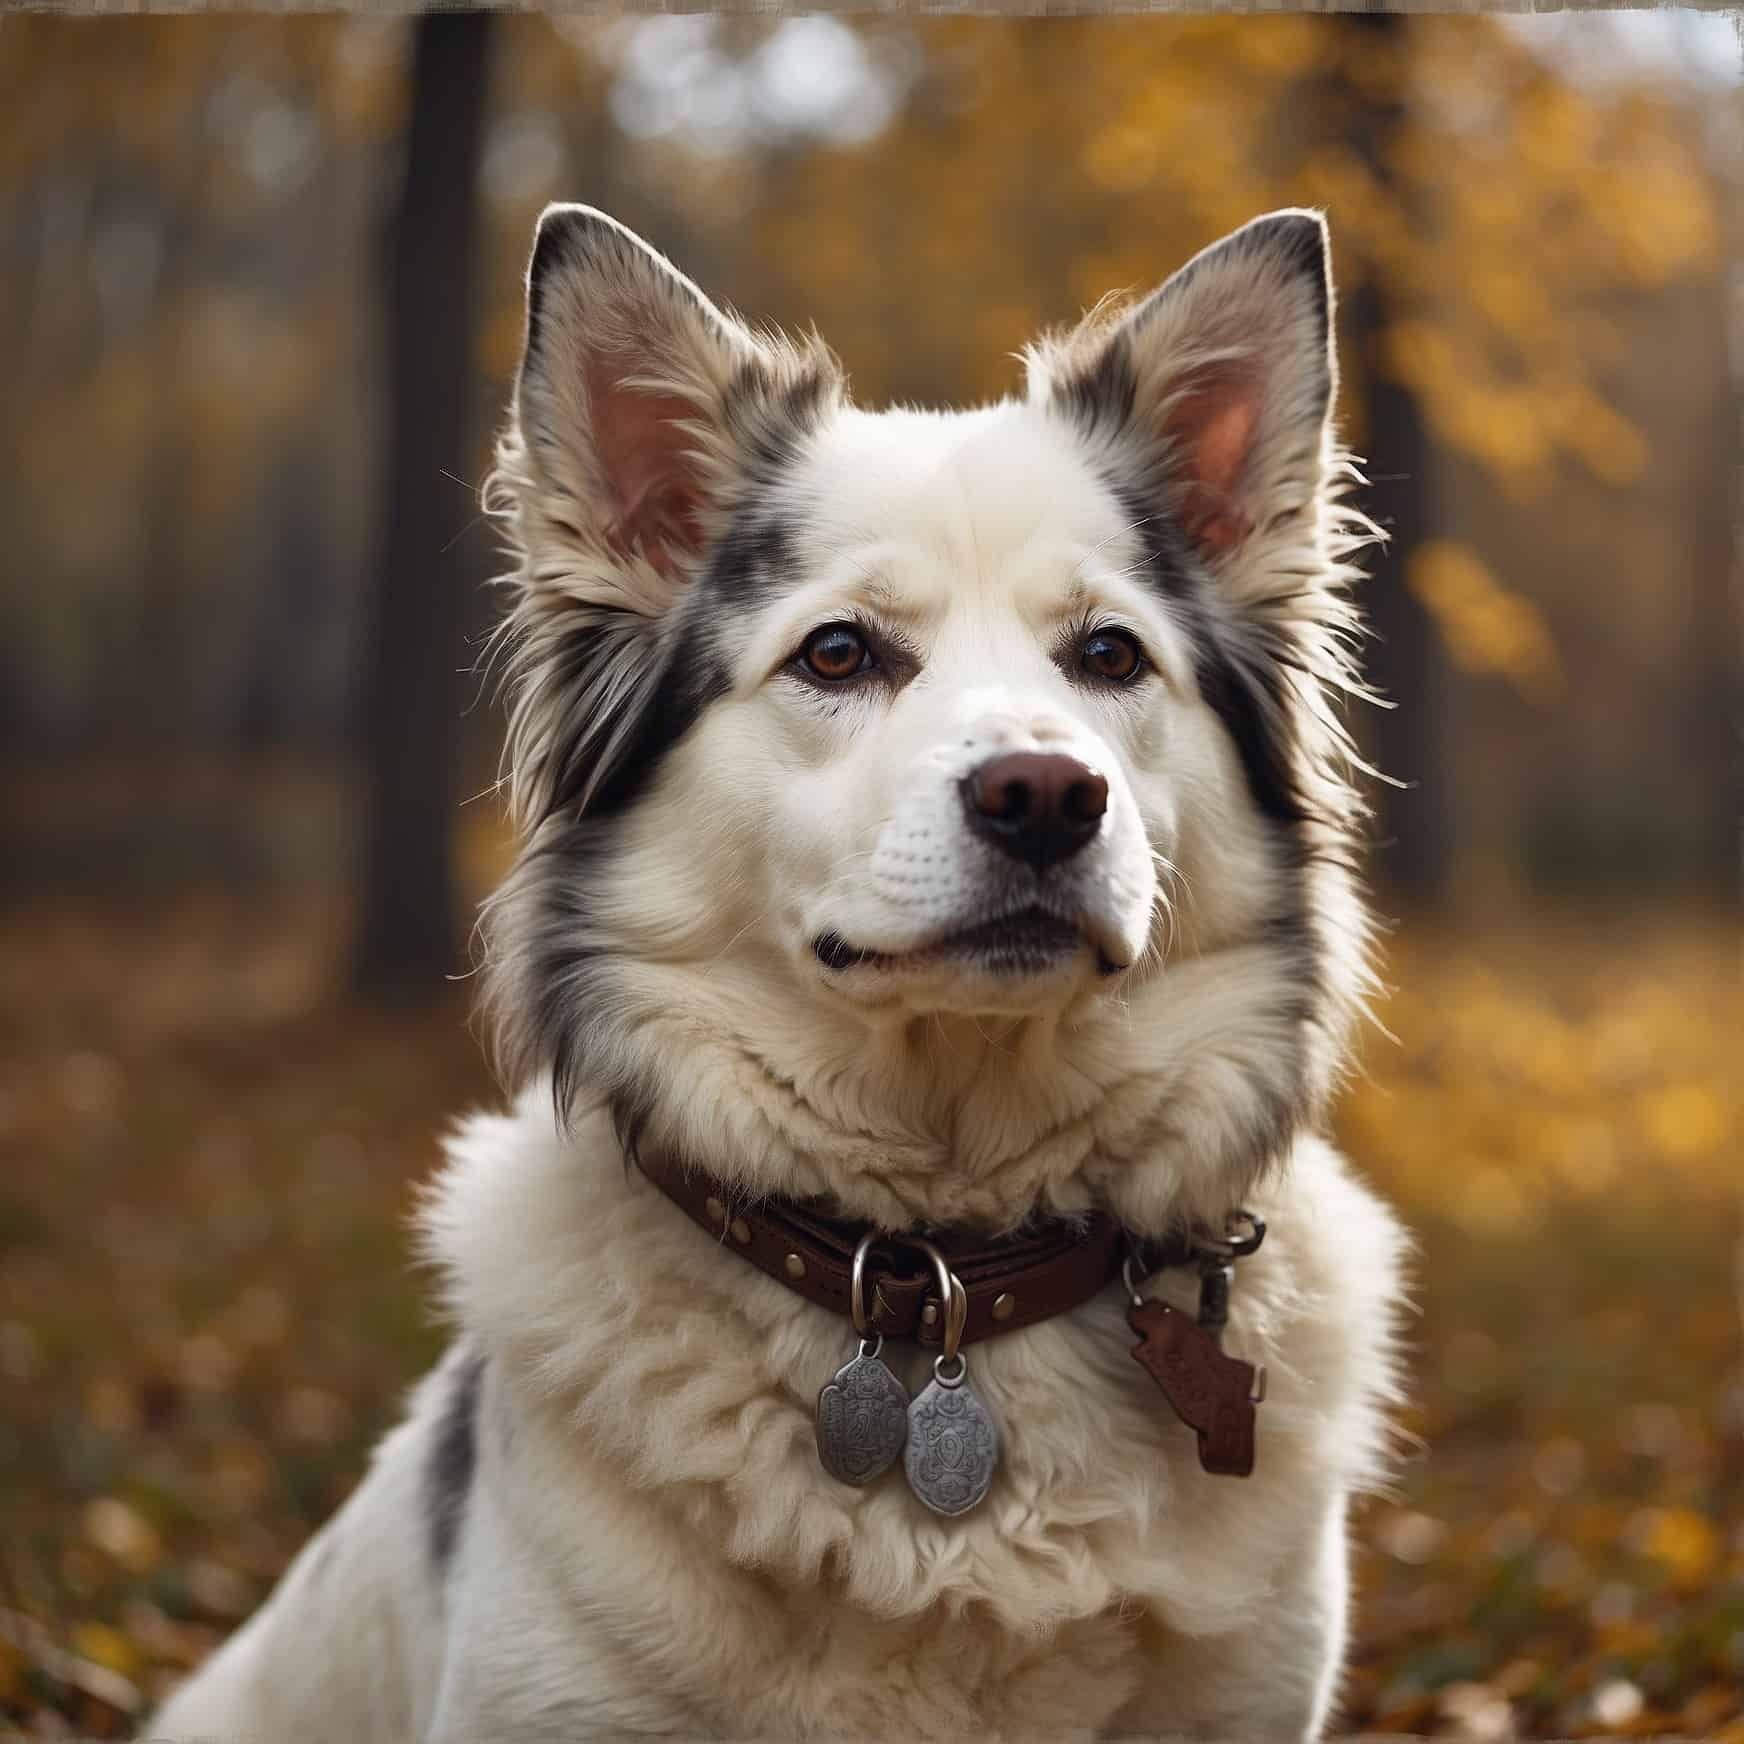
(1213, 394)
(639, 399)
(643, 415)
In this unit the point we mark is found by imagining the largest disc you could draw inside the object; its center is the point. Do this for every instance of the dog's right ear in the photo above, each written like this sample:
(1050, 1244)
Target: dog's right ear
(642, 414)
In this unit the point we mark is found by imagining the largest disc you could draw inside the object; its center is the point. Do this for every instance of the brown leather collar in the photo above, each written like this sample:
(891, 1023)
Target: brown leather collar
(1011, 1281)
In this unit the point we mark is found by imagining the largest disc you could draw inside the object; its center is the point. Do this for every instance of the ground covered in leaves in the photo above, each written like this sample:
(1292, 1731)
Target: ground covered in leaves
(208, 1311)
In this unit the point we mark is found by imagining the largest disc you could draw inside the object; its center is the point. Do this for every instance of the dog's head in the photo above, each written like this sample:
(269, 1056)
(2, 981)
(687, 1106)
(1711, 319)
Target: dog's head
(944, 811)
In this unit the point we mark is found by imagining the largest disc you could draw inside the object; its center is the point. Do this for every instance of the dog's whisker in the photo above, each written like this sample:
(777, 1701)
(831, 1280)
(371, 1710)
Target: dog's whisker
(709, 967)
(1102, 544)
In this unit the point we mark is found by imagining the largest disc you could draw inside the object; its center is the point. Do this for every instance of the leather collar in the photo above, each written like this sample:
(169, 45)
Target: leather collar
(1011, 1281)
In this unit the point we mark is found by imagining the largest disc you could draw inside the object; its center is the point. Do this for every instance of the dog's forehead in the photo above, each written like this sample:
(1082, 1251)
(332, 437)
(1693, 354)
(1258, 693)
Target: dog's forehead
(1005, 496)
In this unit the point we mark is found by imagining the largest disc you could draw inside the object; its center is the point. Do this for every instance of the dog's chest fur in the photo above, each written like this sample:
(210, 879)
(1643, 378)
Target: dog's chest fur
(644, 1441)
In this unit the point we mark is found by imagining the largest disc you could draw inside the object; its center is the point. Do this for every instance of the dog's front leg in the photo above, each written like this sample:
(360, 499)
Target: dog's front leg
(1268, 1681)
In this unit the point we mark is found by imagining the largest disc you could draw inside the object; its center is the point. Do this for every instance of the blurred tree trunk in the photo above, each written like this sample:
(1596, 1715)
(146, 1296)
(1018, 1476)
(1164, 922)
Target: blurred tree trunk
(1407, 741)
(414, 638)
(1715, 693)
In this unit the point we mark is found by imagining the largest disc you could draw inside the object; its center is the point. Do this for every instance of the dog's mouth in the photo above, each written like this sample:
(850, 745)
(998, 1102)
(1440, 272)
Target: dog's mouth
(1027, 941)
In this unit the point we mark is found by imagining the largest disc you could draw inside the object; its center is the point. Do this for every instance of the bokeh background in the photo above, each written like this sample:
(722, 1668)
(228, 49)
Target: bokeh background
(259, 308)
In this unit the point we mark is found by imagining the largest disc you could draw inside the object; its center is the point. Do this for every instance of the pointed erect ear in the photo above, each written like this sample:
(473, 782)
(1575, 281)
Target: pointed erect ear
(638, 399)
(1217, 386)
(643, 417)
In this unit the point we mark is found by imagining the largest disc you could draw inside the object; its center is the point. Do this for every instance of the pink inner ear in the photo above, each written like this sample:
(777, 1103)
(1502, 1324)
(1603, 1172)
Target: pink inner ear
(655, 495)
(1213, 426)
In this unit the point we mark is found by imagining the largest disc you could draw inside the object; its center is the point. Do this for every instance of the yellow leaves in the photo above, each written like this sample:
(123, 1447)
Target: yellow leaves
(1283, 48)
(1684, 1121)
(1510, 1101)
(1487, 628)
(1684, 1543)
(107, 1647)
(1121, 158)
(1554, 131)
(1512, 300)
(1495, 1204)
(1365, 217)
(1513, 423)
(1611, 447)
(1653, 203)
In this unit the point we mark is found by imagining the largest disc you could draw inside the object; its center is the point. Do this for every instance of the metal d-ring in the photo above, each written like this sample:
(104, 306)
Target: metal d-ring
(1236, 1247)
(954, 1300)
(857, 1287)
(1128, 1281)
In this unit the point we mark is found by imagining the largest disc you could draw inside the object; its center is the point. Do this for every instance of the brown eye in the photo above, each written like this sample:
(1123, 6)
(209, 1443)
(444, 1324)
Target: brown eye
(835, 652)
(1112, 655)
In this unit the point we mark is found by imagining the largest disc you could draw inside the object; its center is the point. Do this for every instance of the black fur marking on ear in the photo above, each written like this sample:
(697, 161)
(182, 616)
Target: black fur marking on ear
(1295, 239)
(771, 430)
(1103, 398)
(452, 1461)
(556, 239)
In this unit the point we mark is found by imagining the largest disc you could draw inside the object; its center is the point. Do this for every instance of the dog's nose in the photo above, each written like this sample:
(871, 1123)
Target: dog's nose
(1039, 806)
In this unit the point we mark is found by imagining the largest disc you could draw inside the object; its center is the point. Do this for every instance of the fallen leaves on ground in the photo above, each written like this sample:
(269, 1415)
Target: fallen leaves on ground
(208, 1310)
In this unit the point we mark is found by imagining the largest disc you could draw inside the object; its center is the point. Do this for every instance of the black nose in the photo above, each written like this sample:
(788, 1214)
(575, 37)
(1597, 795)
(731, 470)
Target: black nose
(1038, 806)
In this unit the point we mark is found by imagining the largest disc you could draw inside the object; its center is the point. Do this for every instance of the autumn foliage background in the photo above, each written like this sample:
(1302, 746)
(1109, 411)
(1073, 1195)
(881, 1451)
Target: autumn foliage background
(232, 1006)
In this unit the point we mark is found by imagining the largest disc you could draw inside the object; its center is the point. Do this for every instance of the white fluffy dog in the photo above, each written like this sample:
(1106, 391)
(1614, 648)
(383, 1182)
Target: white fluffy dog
(945, 820)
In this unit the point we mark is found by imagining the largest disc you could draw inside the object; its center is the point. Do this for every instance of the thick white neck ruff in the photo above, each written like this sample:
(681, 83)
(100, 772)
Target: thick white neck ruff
(647, 1353)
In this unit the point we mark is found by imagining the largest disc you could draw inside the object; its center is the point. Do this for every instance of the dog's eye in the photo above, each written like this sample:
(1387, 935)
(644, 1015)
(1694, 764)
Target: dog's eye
(1112, 655)
(835, 652)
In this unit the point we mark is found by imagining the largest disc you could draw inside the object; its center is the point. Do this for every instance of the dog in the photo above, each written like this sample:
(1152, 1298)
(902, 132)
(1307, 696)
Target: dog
(945, 822)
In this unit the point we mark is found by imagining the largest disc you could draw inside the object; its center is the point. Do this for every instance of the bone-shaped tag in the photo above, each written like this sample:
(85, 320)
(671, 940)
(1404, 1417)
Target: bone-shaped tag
(1210, 1392)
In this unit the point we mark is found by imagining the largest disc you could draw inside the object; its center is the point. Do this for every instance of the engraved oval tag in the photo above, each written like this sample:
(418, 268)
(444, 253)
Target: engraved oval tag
(862, 1419)
(953, 1446)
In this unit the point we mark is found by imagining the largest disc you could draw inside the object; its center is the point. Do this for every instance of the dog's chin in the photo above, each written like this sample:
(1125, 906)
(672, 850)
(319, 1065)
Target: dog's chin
(1013, 963)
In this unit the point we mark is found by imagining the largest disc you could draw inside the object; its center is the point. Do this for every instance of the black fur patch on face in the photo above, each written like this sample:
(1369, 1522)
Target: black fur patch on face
(751, 560)
(546, 956)
(1245, 688)
(452, 1460)
(694, 675)
(754, 558)
(1245, 683)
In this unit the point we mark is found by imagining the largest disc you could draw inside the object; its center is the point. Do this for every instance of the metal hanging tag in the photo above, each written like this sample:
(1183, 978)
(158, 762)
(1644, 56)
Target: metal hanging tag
(862, 1415)
(953, 1441)
(862, 1418)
